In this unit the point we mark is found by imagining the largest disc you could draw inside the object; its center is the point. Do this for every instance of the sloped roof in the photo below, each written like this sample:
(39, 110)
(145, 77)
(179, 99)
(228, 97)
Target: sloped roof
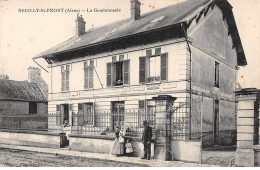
(172, 14)
(20, 91)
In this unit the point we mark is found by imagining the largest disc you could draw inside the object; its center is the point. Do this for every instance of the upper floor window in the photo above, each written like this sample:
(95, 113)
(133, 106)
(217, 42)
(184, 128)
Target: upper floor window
(65, 77)
(118, 72)
(153, 68)
(216, 84)
(88, 74)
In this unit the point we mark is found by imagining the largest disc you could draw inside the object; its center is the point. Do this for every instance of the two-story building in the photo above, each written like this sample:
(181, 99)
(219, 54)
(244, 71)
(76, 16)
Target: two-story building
(190, 50)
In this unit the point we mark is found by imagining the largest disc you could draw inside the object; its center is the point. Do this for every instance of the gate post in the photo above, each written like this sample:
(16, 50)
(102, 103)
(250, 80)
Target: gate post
(247, 153)
(163, 105)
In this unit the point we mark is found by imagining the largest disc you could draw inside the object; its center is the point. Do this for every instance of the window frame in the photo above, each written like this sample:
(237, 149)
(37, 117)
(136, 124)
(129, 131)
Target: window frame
(146, 68)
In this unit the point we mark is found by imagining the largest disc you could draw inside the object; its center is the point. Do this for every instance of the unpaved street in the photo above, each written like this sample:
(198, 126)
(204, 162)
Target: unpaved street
(19, 158)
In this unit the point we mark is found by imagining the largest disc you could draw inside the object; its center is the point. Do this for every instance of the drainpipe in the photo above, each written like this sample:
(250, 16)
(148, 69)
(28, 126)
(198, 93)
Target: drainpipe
(183, 25)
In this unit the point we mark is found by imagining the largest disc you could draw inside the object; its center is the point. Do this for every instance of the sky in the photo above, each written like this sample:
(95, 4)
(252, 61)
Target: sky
(24, 35)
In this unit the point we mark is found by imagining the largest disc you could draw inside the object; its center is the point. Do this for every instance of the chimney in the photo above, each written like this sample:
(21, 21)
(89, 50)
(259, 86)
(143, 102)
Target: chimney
(135, 9)
(80, 25)
(4, 77)
(34, 75)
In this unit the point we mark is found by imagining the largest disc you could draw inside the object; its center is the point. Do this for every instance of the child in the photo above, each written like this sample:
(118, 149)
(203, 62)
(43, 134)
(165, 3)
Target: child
(121, 142)
(129, 148)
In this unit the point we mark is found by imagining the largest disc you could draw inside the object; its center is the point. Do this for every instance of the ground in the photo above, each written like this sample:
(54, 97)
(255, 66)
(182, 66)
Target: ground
(24, 156)
(19, 158)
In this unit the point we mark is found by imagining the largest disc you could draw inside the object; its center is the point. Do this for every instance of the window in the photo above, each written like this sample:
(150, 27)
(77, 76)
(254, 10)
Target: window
(65, 78)
(146, 112)
(216, 84)
(153, 68)
(32, 108)
(88, 74)
(86, 113)
(141, 112)
(118, 72)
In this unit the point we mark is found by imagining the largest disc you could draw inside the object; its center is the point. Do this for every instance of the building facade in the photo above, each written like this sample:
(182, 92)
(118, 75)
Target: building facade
(191, 51)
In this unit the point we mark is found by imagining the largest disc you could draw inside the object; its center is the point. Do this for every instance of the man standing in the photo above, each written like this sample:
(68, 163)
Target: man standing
(146, 140)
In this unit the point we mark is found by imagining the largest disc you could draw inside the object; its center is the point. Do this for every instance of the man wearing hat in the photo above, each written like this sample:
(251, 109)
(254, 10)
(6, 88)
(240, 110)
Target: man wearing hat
(146, 140)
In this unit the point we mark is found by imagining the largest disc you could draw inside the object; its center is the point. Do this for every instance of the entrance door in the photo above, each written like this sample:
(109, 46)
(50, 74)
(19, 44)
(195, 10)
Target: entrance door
(216, 123)
(65, 113)
(118, 114)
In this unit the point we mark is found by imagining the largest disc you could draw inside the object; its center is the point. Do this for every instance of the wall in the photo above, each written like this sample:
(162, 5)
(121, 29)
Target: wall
(25, 138)
(176, 65)
(14, 107)
(211, 43)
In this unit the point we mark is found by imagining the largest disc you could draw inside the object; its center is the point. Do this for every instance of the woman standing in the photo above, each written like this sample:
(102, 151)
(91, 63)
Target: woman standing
(115, 149)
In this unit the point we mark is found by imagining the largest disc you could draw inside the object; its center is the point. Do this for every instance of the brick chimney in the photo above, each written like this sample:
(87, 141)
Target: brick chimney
(135, 9)
(80, 25)
(34, 76)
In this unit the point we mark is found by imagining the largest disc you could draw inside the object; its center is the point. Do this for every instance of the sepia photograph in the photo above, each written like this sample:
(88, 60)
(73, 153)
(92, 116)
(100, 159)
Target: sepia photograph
(129, 83)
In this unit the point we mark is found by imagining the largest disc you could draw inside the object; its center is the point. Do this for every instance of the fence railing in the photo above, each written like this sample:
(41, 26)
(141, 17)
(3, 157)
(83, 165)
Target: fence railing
(30, 122)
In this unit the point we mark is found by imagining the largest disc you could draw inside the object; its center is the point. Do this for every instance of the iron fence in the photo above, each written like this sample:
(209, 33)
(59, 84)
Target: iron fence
(31, 122)
(104, 123)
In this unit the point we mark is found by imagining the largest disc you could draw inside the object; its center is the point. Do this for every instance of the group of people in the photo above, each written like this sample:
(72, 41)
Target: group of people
(123, 146)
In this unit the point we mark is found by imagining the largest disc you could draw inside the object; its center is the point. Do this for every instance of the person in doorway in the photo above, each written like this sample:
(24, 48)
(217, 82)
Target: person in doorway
(115, 149)
(146, 140)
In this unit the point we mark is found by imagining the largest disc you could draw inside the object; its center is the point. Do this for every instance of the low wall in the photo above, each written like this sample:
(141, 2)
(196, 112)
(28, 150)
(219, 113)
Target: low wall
(189, 151)
(26, 138)
(99, 144)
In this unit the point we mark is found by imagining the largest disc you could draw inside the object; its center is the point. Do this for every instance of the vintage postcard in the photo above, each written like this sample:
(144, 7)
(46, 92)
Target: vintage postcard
(143, 83)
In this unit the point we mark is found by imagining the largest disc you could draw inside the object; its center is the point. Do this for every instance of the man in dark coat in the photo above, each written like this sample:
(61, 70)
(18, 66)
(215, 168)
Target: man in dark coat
(146, 140)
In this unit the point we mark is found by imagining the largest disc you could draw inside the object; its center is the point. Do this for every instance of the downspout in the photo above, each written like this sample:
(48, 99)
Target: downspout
(183, 25)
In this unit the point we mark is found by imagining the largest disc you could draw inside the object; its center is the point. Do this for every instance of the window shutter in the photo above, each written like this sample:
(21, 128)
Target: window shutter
(164, 66)
(109, 74)
(90, 78)
(126, 71)
(80, 114)
(86, 77)
(148, 53)
(142, 67)
(157, 51)
(58, 115)
(67, 80)
(62, 80)
(70, 113)
(93, 114)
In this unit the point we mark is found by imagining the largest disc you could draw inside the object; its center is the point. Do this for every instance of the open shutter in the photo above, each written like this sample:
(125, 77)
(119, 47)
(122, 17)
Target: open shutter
(126, 71)
(90, 78)
(80, 114)
(109, 74)
(164, 66)
(93, 114)
(142, 67)
(70, 114)
(58, 115)
(85, 75)
(67, 80)
(62, 78)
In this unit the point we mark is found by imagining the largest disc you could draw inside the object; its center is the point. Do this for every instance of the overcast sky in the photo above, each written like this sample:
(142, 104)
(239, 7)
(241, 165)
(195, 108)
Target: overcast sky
(24, 35)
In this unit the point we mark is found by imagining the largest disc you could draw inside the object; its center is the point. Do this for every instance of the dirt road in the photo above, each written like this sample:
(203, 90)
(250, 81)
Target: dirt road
(19, 158)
